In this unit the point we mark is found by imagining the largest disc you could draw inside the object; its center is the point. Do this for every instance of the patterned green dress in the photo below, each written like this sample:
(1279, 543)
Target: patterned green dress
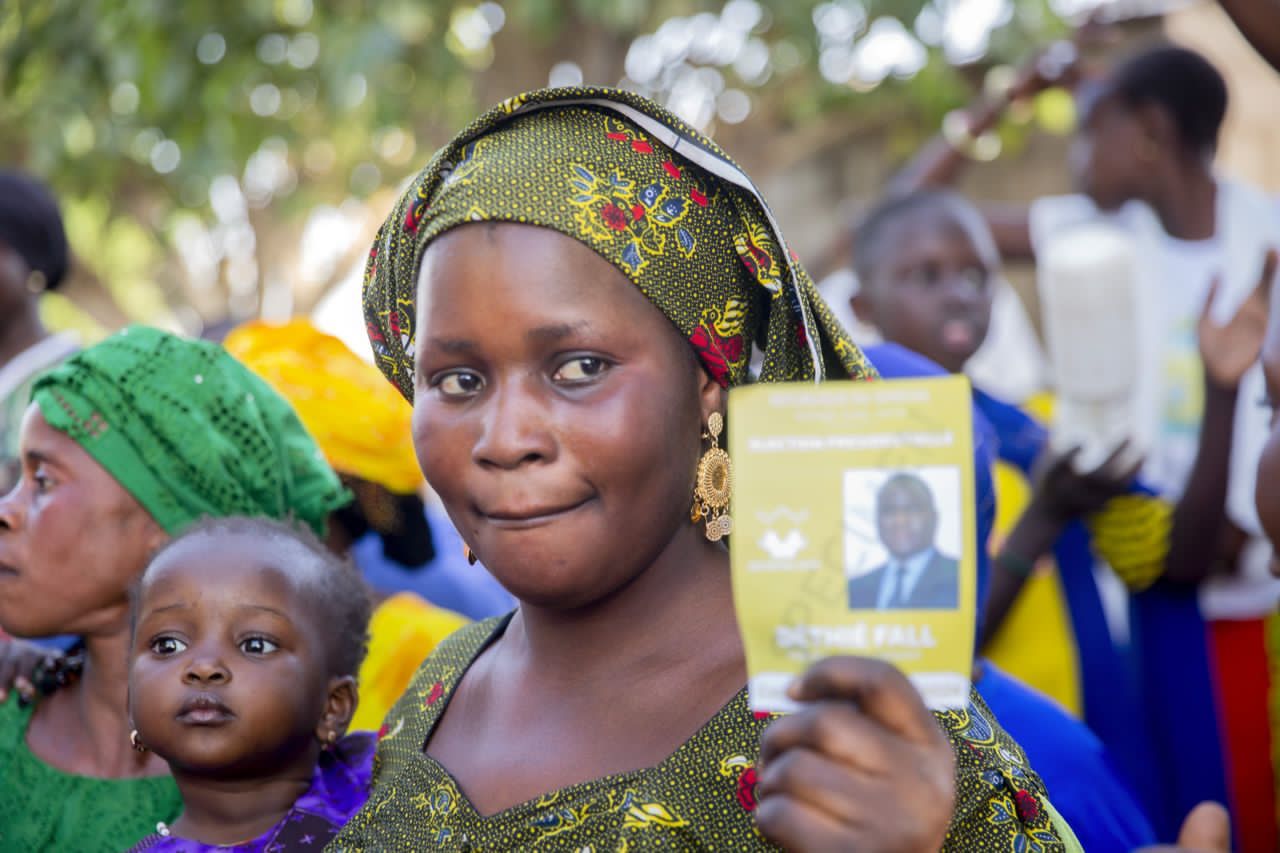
(702, 797)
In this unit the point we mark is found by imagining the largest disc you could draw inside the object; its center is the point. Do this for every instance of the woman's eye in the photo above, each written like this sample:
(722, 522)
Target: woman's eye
(460, 384)
(42, 480)
(257, 646)
(580, 369)
(167, 646)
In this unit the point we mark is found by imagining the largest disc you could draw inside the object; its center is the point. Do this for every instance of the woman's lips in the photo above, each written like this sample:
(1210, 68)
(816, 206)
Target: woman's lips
(516, 517)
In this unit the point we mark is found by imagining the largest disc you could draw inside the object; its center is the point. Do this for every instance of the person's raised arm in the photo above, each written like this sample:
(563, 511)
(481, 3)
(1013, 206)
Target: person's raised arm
(1228, 351)
(942, 160)
(1259, 22)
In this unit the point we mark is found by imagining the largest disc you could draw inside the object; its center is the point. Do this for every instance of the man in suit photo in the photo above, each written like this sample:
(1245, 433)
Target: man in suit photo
(917, 576)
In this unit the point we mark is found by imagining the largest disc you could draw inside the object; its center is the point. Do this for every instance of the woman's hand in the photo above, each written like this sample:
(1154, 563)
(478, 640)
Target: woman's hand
(1207, 829)
(1229, 350)
(865, 767)
(19, 663)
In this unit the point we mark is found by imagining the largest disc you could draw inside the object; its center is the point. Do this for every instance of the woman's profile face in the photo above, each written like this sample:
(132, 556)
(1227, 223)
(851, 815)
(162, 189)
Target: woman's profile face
(557, 412)
(72, 539)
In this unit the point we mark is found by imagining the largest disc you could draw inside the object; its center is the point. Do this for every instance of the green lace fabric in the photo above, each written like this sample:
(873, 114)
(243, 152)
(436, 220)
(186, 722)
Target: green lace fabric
(189, 431)
(44, 809)
(702, 797)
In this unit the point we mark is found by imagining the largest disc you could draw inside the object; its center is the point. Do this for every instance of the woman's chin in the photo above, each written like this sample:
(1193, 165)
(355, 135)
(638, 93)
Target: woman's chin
(568, 586)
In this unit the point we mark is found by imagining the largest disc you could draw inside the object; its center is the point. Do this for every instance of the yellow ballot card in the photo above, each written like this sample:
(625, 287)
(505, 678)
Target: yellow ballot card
(853, 530)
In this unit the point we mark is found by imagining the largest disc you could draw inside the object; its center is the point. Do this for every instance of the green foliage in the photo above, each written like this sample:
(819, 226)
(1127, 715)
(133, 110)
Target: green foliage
(133, 107)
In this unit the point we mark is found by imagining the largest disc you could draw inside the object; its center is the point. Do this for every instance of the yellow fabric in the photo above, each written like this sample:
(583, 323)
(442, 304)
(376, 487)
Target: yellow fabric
(1035, 644)
(1131, 533)
(360, 423)
(403, 631)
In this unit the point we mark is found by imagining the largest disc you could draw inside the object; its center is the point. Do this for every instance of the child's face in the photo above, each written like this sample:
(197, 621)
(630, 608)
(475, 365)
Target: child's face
(228, 667)
(931, 292)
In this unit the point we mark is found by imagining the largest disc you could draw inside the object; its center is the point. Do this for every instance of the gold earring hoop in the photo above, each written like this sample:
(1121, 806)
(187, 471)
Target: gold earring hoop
(136, 742)
(36, 283)
(469, 554)
(714, 485)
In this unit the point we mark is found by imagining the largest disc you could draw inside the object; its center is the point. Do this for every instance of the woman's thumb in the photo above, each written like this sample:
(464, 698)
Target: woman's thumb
(1207, 828)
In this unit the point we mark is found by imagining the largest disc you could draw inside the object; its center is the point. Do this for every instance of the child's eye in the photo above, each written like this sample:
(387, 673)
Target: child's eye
(167, 646)
(257, 646)
(459, 383)
(580, 369)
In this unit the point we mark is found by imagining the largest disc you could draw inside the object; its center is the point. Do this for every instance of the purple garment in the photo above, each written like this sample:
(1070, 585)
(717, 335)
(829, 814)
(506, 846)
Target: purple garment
(338, 790)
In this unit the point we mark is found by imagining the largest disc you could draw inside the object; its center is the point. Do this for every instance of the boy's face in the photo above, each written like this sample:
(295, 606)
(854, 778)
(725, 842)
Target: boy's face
(229, 673)
(931, 290)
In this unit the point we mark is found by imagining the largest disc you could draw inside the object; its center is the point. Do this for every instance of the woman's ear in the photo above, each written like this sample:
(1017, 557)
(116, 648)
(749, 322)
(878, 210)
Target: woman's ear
(157, 537)
(714, 397)
(339, 708)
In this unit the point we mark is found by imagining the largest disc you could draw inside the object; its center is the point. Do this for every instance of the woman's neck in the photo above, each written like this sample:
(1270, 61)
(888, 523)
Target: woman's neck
(224, 812)
(1186, 201)
(683, 601)
(84, 728)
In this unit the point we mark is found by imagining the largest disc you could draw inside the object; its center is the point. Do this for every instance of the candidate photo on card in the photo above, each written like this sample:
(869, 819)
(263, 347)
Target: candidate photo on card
(913, 559)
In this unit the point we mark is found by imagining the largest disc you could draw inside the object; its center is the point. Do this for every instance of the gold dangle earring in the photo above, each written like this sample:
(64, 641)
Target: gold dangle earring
(715, 484)
(469, 554)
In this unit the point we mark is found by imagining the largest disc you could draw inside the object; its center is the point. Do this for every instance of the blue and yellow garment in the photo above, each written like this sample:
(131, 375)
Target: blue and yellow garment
(1076, 766)
(1140, 699)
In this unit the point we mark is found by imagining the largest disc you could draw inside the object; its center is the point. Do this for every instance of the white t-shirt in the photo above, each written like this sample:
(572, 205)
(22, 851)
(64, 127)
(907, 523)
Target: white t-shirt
(1170, 391)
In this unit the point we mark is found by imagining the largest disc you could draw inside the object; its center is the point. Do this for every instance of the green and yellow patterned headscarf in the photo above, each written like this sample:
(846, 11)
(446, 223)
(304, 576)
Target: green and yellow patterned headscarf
(189, 431)
(652, 196)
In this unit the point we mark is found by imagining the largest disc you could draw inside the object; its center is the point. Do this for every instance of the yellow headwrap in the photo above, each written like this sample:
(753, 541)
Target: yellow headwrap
(359, 421)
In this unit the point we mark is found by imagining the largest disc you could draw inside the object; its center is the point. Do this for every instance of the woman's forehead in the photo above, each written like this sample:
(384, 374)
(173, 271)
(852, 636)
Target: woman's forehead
(42, 442)
(488, 267)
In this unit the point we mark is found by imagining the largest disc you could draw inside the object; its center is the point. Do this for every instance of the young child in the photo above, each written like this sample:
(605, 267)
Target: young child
(247, 637)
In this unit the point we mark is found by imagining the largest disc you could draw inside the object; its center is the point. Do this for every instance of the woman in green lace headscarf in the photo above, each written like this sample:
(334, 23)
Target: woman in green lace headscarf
(565, 293)
(124, 446)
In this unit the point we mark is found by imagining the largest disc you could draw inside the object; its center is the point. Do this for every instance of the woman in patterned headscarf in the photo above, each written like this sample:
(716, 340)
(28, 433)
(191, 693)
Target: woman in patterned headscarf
(565, 293)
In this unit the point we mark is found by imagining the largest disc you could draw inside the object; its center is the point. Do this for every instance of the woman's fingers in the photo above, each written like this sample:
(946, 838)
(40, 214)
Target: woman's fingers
(797, 826)
(834, 728)
(818, 781)
(880, 691)
(1207, 828)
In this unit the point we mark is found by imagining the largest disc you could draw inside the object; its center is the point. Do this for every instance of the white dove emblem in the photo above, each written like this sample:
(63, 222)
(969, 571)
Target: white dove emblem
(783, 548)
